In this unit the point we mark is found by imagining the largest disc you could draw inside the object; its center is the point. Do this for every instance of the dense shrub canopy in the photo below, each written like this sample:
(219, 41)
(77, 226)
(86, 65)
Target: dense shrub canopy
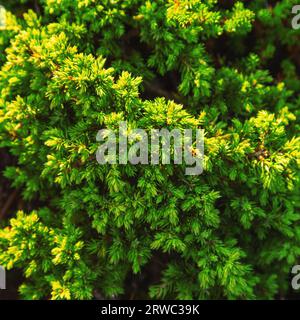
(72, 67)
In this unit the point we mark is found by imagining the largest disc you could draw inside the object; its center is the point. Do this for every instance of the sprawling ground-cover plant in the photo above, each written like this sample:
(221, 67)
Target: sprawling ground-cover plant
(72, 67)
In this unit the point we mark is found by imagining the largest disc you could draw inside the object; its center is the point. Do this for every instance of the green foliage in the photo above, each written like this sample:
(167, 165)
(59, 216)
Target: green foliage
(72, 67)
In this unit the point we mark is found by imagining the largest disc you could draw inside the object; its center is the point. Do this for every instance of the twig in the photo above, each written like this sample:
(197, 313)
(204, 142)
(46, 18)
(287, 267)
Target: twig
(8, 204)
(37, 7)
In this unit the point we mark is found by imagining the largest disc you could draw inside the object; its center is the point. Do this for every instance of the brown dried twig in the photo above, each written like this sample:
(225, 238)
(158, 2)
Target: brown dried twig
(8, 204)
